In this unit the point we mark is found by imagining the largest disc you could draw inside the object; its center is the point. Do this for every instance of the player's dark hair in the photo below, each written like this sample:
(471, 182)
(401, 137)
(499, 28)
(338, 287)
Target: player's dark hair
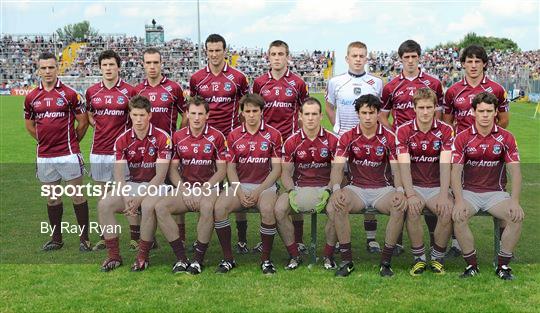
(109, 54)
(152, 50)
(311, 100)
(253, 99)
(140, 102)
(409, 46)
(474, 51)
(46, 56)
(485, 97)
(424, 94)
(369, 100)
(198, 101)
(215, 38)
(279, 43)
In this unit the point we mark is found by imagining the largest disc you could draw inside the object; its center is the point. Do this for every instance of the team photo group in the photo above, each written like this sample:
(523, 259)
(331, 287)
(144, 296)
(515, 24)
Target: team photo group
(229, 144)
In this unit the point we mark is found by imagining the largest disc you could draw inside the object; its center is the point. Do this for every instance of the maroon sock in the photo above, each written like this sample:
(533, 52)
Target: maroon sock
(293, 250)
(388, 250)
(81, 212)
(370, 226)
(179, 250)
(241, 229)
(267, 238)
(298, 231)
(438, 252)
(419, 252)
(470, 258)
(346, 251)
(200, 251)
(328, 251)
(55, 213)
(182, 231)
(223, 230)
(144, 249)
(503, 258)
(113, 248)
(431, 222)
(135, 232)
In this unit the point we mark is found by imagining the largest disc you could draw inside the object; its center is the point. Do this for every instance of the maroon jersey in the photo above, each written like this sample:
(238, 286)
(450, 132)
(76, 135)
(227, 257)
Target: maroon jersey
(167, 101)
(484, 158)
(458, 100)
(398, 95)
(198, 155)
(424, 150)
(110, 109)
(253, 153)
(223, 93)
(369, 159)
(312, 159)
(54, 115)
(141, 155)
(283, 98)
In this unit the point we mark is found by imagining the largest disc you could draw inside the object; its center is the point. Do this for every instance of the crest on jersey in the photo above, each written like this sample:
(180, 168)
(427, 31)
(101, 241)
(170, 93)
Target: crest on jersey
(264, 146)
(436, 145)
(151, 151)
(227, 86)
(379, 151)
(497, 149)
(164, 97)
(357, 91)
(288, 92)
(121, 100)
(59, 102)
(324, 152)
(207, 148)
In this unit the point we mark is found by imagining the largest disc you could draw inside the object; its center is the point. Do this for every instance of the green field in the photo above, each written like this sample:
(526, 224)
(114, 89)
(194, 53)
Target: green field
(67, 280)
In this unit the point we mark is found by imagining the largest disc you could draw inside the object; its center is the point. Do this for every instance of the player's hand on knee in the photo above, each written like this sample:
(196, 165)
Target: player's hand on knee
(244, 200)
(516, 212)
(399, 202)
(443, 205)
(415, 204)
(460, 212)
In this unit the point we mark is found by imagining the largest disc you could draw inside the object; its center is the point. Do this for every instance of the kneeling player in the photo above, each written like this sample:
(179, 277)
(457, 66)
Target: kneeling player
(370, 151)
(146, 150)
(479, 158)
(424, 150)
(197, 169)
(307, 157)
(255, 164)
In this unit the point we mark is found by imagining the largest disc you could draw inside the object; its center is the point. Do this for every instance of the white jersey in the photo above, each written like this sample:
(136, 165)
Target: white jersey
(343, 90)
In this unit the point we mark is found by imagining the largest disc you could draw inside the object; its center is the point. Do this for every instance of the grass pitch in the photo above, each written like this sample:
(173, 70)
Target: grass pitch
(67, 280)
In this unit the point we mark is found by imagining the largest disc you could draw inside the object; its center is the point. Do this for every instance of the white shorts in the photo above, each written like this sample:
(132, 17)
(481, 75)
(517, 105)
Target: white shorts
(483, 201)
(102, 167)
(427, 192)
(251, 187)
(67, 167)
(308, 197)
(370, 196)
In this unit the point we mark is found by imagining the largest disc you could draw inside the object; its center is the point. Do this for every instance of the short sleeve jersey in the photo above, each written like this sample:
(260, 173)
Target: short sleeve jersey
(484, 158)
(458, 100)
(343, 90)
(425, 150)
(223, 93)
(369, 158)
(110, 109)
(198, 154)
(54, 114)
(167, 99)
(397, 96)
(253, 153)
(141, 154)
(312, 158)
(283, 98)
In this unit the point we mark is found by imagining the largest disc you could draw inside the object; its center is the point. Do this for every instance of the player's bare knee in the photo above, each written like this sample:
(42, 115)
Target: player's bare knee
(413, 216)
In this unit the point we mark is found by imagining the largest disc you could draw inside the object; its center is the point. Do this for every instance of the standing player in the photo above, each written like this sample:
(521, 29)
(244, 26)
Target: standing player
(254, 167)
(198, 166)
(341, 93)
(222, 86)
(480, 156)
(50, 112)
(424, 147)
(146, 151)
(108, 112)
(370, 151)
(307, 157)
(284, 92)
(167, 99)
